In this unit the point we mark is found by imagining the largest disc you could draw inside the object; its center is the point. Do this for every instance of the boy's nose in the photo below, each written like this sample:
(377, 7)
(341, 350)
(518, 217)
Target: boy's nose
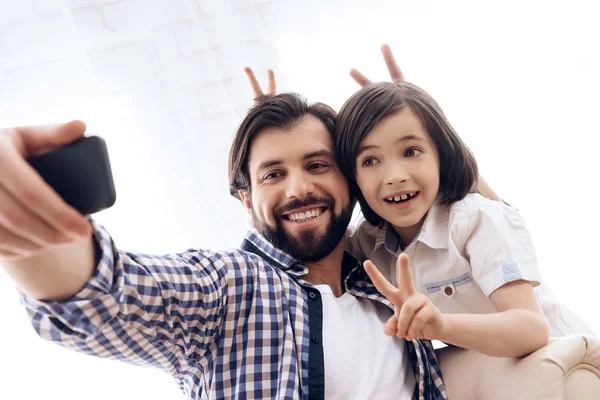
(395, 174)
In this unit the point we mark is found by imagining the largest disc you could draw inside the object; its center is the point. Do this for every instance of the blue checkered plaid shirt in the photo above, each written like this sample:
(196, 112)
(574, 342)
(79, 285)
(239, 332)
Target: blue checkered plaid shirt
(238, 324)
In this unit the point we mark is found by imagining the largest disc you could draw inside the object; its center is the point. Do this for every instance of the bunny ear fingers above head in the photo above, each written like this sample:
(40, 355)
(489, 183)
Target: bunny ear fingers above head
(359, 77)
(396, 74)
(394, 70)
(256, 88)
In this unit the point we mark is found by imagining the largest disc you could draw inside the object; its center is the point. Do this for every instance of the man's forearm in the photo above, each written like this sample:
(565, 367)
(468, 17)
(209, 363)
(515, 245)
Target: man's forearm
(511, 333)
(55, 274)
(485, 190)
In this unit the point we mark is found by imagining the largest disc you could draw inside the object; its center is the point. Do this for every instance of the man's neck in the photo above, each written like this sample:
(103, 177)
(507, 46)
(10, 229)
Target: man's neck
(328, 271)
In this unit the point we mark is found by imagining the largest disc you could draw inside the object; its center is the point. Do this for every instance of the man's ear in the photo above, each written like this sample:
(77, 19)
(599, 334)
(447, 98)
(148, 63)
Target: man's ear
(246, 200)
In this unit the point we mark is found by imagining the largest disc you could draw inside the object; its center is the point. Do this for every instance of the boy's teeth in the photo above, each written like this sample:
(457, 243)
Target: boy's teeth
(402, 197)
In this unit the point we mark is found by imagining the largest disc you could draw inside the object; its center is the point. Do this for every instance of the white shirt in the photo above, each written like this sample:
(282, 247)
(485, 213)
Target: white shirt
(462, 254)
(361, 362)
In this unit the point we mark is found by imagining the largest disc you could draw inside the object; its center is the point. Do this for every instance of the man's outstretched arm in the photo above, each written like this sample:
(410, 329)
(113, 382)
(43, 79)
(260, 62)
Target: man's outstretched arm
(45, 245)
(84, 293)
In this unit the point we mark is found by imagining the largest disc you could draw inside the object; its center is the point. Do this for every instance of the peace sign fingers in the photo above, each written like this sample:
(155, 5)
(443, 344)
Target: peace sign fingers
(382, 284)
(405, 280)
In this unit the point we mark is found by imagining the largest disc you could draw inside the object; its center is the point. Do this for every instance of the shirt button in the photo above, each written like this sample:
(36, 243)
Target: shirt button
(314, 395)
(312, 295)
(449, 290)
(314, 339)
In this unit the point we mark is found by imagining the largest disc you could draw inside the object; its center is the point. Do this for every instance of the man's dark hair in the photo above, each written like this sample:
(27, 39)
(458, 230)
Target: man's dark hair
(282, 111)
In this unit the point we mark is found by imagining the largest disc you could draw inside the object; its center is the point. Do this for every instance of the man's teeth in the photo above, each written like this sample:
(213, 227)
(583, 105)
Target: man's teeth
(304, 216)
(403, 197)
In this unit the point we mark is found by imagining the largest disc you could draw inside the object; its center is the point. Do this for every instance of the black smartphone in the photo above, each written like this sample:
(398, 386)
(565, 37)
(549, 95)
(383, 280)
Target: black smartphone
(80, 173)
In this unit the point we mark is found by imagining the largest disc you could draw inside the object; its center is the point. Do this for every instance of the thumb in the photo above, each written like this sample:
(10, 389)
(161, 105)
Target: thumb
(32, 140)
(391, 326)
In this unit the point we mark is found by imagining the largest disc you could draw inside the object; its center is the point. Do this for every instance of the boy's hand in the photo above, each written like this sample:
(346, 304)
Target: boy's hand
(415, 316)
(256, 89)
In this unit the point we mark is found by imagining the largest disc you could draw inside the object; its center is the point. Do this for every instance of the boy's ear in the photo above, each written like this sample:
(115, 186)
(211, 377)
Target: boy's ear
(246, 200)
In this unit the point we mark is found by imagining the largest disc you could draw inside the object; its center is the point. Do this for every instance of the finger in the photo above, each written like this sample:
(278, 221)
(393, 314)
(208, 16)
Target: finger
(16, 219)
(395, 72)
(407, 313)
(32, 140)
(405, 281)
(23, 183)
(381, 283)
(359, 78)
(391, 326)
(11, 243)
(271, 86)
(420, 319)
(256, 89)
(8, 255)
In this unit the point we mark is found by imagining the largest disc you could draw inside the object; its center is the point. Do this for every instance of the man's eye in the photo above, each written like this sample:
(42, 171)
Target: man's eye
(369, 162)
(271, 175)
(412, 152)
(317, 166)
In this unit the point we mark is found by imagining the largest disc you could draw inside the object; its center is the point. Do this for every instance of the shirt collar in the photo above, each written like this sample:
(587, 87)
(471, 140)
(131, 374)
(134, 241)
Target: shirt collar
(255, 243)
(433, 233)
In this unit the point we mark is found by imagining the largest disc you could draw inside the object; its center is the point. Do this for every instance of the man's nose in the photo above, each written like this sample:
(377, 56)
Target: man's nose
(299, 186)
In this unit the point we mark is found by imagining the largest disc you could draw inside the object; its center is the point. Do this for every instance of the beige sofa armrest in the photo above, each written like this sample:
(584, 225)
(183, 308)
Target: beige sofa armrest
(568, 368)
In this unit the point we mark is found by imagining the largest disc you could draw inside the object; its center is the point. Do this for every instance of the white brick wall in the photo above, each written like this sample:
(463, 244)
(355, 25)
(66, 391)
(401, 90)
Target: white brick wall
(36, 41)
(34, 88)
(189, 37)
(48, 8)
(80, 4)
(212, 8)
(128, 68)
(16, 11)
(189, 52)
(128, 21)
(231, 29)
(192, 70)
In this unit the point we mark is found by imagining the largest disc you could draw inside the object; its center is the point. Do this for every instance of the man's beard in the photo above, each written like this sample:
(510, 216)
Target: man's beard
(311, 246)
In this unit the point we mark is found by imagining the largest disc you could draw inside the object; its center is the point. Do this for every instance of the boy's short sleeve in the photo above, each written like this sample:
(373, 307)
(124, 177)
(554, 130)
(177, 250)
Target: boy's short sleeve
(499, 248)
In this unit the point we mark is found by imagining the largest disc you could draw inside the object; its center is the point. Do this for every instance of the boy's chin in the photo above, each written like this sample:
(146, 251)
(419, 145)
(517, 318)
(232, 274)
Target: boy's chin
(406, 222)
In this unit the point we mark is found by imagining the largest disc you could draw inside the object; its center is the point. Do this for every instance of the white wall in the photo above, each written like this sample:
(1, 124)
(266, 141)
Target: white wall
(162, 82)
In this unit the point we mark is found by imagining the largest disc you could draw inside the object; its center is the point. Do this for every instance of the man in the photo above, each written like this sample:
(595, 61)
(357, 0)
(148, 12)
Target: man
(247, 323)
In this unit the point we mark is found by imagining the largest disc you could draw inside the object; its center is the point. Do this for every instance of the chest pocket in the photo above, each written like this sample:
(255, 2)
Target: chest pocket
(448, 287)
(460, 294)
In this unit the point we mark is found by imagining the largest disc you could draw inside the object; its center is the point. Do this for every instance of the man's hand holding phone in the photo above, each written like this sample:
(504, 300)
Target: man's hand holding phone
(33, 216)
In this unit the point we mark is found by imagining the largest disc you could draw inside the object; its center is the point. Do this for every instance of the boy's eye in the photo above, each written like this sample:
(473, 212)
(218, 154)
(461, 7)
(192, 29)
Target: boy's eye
(412, 152)
(369, 162)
